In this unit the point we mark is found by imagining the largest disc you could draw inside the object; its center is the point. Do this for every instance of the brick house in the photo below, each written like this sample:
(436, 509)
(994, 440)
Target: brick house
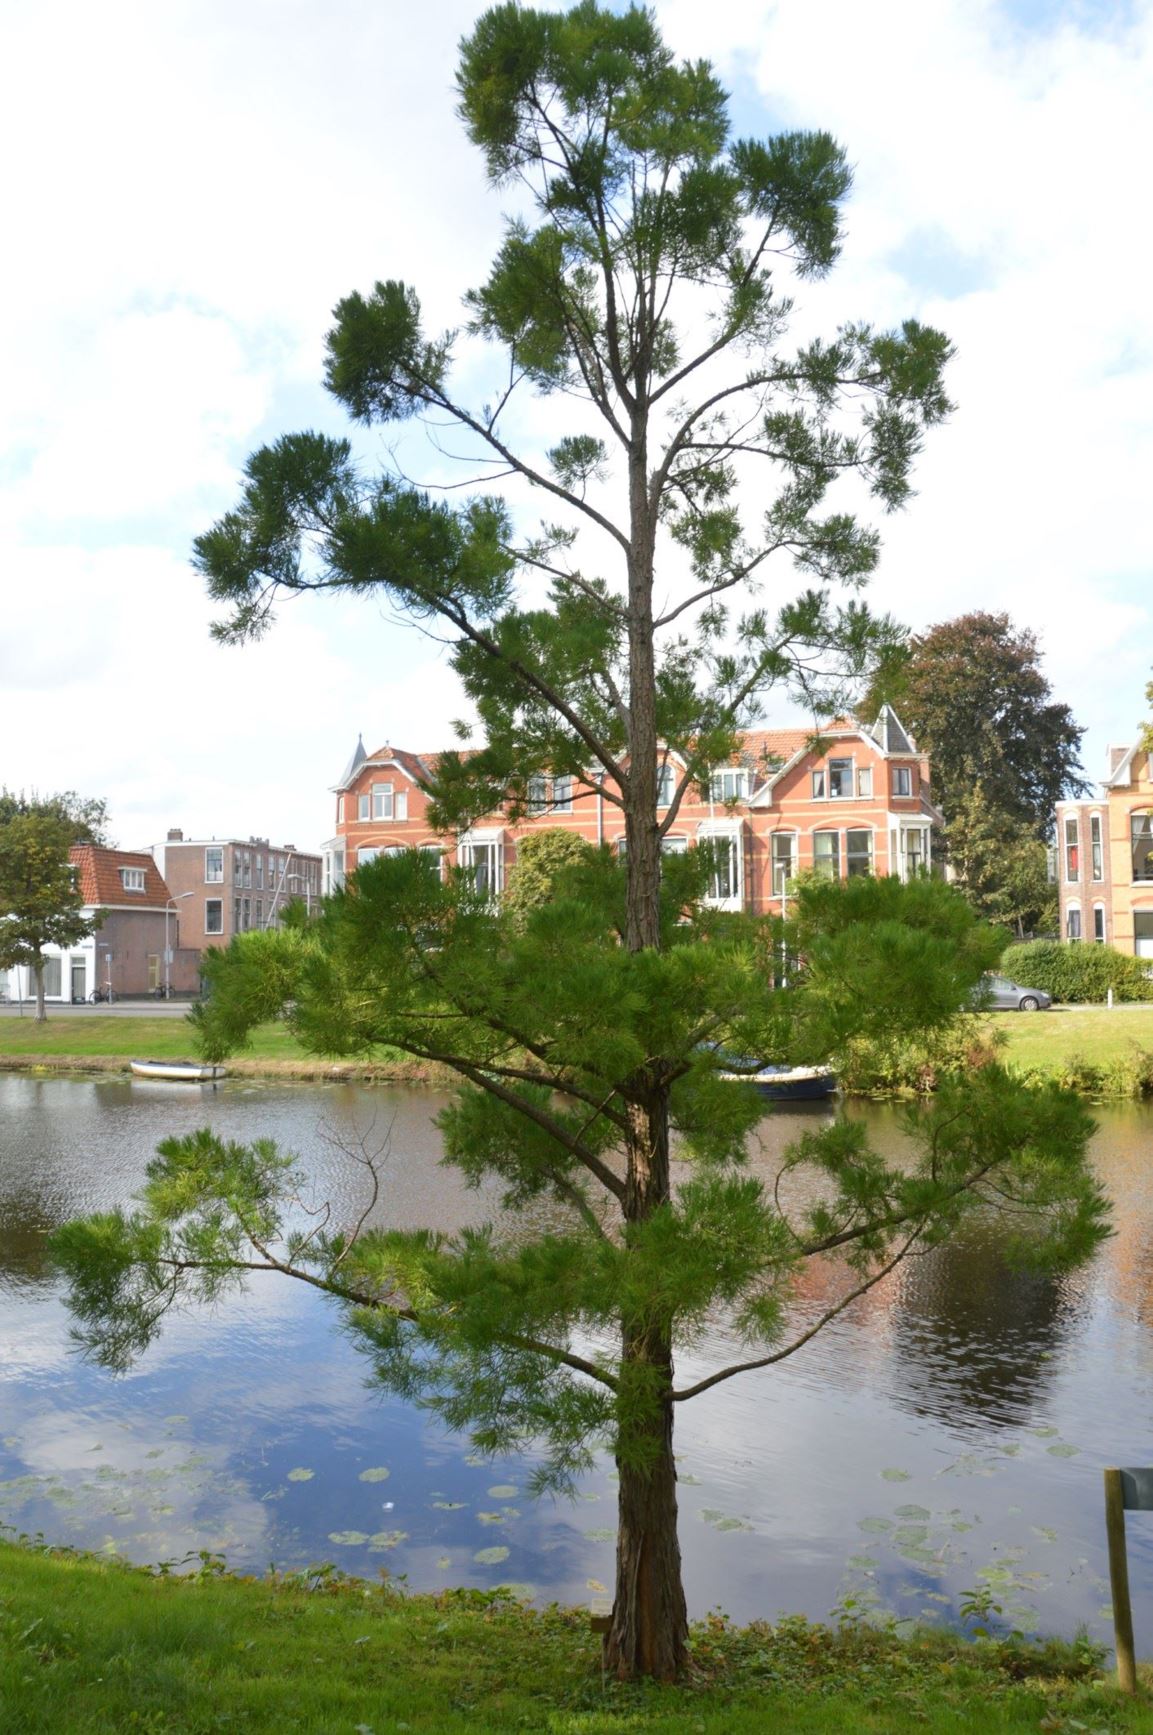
(225, 886)
(1105, 858)
(127, 950)
(854, 799)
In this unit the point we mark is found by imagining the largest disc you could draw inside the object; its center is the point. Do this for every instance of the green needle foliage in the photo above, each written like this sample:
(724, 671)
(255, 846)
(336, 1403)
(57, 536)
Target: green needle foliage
(645, 286)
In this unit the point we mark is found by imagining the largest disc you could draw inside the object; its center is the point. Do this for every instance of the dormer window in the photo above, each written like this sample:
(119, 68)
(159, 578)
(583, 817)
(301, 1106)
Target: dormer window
(132, 879)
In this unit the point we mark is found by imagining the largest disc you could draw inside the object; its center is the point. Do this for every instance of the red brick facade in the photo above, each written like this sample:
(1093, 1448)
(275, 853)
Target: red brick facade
(853, 800)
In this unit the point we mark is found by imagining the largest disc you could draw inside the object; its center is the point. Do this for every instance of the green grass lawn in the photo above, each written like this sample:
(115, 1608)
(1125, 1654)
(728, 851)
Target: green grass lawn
(86, 1646)
(1047, 1039)
(165, 1038)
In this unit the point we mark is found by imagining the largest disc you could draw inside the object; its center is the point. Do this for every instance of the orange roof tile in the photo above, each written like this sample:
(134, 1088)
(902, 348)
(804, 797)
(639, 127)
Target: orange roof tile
(100, 882)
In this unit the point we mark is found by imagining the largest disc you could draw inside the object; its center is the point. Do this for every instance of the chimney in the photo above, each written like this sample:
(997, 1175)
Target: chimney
(175, 835)
(1116, 754)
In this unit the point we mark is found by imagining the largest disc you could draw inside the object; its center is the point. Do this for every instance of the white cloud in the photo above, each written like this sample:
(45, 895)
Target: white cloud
(199, 183)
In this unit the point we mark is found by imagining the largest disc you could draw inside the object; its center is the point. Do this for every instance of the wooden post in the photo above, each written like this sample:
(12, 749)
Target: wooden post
(1119, 1582)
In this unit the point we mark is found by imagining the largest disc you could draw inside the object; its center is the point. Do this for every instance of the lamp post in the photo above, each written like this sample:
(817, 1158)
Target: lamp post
(170, 906)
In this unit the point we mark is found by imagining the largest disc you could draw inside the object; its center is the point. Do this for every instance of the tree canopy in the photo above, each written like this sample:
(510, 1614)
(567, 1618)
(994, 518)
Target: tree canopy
(84, 816)
(40, 903)
(974, 695)
(691, 560)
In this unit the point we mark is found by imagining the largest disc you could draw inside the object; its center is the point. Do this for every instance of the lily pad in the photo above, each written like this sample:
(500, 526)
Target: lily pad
(603, 1533)
(378, 1473)
(348, 1538)
(874, 1526)
(912, 1512)
(300, 1474)
(1044, 1433)
(503, 1491)
(444, 1562)
(1063, 1450)
(596, 1585)
(490, 1556)
(448, 1505)
(896, 1476)
(388, 1538)
(490, 1518)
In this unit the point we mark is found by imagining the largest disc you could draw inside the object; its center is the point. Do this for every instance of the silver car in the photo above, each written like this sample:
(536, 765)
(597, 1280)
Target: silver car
(1002, 995)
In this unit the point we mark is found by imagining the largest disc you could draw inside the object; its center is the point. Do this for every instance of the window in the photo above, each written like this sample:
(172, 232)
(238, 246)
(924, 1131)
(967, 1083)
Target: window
(132, 879)
(725, 882)
(260, 912)
(865, 780)
(362, 807)
(214, 915)
(260, 873)
(52, 976)
(1072, 851)
(382, 801)
(666, 784)
(858, 852)
(827, 854)
(783, 868)
(400, 804)
(247, 921)
(214, 867)
(1097, 865)
(482, 860)
(562, 795)
(916, 844)
(1073, 922)
(340, 810)
(537, 795)
(1099, 923)
(434, 856)
(818, 785)
(363, 855)
(674, 845)
(1141, 840)
(728, 785)
(247, 868)
(236, 915)
(840, 779)
(902, 780)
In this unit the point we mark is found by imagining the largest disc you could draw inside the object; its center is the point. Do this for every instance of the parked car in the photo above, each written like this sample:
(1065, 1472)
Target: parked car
(999, 994)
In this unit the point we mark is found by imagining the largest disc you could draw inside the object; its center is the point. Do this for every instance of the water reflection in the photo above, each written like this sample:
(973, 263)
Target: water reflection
(951, 1423)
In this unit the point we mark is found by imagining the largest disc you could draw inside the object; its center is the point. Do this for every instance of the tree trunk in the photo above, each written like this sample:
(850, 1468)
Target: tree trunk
(38, 972)
(649, 1632)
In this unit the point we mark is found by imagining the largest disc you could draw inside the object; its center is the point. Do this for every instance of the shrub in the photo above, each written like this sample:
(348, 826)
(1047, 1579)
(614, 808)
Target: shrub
(1080, 971)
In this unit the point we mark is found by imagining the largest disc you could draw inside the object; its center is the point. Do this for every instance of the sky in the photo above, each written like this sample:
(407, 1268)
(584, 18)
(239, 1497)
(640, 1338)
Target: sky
(192, 186)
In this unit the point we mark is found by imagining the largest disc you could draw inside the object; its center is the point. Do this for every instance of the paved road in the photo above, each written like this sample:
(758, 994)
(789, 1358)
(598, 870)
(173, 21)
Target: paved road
(119, 1009)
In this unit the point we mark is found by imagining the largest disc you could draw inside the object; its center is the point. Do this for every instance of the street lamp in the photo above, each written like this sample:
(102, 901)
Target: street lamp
(170, 905)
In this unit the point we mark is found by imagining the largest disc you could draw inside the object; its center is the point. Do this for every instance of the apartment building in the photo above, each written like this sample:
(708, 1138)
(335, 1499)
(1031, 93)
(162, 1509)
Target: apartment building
(1105, 858)
(853, 799)
(227, 886)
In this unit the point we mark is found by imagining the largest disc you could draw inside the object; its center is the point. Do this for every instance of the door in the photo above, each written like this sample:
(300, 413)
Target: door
(79, 981)
(153, 971)
(1143, 933)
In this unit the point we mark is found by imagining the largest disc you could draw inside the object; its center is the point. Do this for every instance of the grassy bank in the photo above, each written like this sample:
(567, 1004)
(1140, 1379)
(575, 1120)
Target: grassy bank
(106, 1044)
(87, 1646)
(1048, 1040)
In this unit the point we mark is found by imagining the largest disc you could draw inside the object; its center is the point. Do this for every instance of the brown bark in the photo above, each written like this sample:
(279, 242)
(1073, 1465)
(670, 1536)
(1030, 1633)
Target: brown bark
(38, 973)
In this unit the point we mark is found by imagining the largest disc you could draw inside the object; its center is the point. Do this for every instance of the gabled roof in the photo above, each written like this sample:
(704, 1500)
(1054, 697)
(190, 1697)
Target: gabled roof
(417, 767)
(1122, 773)
(99, 881)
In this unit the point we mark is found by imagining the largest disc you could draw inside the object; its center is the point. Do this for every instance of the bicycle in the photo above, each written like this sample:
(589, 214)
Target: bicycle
(99, 994)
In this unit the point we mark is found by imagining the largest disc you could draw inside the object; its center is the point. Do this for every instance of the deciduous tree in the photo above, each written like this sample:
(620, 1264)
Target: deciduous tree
(40, 903)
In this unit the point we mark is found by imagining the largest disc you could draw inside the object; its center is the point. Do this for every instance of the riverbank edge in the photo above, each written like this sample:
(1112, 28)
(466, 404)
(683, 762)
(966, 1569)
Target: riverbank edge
(90, 1644)
(298, 1071)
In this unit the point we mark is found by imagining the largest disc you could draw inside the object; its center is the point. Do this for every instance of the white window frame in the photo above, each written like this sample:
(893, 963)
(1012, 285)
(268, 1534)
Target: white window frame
(845, 768)
(218, 905)
(363, 807)
(904, 833)
(210, 878)
(819, 783)
(382, 800)
(902, 774)
(491, 840)
(132, 879)
(865, 782)
(736, 776)
(780, 885)
(860, 831)
(367, 854)
(834, 855)
(1096, 848)
(400, 805)
(562, 788)
(732, 831)
(1071, 850)
(536, 797)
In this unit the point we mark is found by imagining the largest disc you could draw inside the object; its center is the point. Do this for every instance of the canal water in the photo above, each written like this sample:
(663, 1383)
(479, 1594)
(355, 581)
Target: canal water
(945, 1434)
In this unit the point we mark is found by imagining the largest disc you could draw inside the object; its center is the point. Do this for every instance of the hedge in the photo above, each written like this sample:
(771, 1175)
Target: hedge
(1078, 970)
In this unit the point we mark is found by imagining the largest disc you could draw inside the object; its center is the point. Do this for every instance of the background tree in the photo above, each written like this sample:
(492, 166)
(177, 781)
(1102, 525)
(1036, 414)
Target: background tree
(1147, 730)
(1002, 868)
(40, 903)
(644, 285)
(85, 816)
(972, 692)
(540, 857)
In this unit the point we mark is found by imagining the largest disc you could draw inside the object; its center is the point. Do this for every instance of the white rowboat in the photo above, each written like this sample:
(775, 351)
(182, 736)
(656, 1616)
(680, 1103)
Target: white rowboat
(178, 1071)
